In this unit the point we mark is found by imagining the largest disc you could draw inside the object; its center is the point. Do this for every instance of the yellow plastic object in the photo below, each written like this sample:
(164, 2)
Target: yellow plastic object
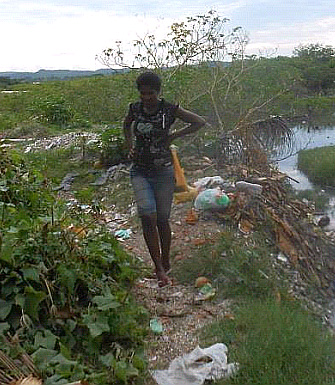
(181, 184)
(185, 196)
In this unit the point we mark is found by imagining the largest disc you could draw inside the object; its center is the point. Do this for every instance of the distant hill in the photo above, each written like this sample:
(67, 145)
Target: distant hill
(44, 75)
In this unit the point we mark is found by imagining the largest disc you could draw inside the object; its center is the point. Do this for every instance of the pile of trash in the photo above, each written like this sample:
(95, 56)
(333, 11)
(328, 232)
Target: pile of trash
(258, 200)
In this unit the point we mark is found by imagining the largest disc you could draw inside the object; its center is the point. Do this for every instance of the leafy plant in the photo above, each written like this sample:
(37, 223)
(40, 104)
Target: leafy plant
(64, 286)
(113, 147)
(53, 110)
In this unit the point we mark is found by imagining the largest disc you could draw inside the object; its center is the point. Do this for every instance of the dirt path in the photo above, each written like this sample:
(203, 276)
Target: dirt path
(177, 307)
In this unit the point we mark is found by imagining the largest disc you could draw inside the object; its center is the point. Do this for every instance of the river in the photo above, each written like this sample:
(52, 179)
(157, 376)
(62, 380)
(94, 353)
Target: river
(308, 138)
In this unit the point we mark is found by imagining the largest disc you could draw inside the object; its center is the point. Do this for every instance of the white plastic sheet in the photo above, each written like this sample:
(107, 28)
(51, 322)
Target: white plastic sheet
(196, 367)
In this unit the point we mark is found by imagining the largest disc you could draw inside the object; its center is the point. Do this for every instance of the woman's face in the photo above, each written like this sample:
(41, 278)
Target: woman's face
(149, 97)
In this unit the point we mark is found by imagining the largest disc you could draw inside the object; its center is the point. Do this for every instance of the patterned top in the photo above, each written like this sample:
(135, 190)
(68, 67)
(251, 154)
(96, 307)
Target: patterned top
(151, 134)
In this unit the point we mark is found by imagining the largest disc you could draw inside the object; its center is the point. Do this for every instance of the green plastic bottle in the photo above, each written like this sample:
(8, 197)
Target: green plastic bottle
(222, 200)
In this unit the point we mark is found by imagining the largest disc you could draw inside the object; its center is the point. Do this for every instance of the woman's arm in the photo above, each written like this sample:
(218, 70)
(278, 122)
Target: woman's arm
(195, 123)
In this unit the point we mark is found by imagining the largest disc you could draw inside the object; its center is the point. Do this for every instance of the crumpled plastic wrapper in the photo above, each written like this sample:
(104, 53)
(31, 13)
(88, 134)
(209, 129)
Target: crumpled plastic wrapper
(196, 367)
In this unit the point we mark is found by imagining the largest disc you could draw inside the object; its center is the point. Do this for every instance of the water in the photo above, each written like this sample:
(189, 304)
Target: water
(308, 138)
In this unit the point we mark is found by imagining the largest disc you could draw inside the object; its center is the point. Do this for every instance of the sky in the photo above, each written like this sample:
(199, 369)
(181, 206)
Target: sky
(70, 34)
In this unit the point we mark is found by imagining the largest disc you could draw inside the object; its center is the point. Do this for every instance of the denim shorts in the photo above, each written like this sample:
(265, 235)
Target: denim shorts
(153, 191)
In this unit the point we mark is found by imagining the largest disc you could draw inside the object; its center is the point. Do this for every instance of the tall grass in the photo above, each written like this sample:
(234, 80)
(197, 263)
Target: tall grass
(274, 340)
(318, 165)
(276, 343)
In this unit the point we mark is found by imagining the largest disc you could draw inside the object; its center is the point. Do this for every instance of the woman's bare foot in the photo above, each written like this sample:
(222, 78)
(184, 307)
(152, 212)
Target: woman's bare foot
(162, 278)
(167, 267)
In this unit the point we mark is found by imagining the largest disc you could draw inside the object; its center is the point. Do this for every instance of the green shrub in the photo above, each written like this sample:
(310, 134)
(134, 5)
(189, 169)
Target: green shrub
(64, 285)
(113, 146)
(53, 110)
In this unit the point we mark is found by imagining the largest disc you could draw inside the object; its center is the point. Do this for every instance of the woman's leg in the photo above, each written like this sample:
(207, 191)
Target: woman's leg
(151, 237)
(154, 198)
(164, 189)
(164, 232)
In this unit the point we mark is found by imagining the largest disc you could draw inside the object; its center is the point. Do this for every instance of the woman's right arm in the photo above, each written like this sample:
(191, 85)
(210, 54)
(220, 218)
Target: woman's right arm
(195, 122)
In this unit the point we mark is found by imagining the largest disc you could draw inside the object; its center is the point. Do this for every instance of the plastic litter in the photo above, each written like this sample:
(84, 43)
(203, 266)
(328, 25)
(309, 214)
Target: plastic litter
(181, 184)
(123, 233)
(249, 188)
(208, 182)
(192, 217)
(156, 326)
(206, 293)
(211, 199)
(185, 196)
(201, 281)
(197, 367)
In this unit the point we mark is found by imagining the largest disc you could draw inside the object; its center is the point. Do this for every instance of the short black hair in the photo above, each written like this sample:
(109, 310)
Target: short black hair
(149, 79)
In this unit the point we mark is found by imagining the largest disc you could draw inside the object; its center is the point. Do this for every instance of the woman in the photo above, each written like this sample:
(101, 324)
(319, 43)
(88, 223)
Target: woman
(152, 176)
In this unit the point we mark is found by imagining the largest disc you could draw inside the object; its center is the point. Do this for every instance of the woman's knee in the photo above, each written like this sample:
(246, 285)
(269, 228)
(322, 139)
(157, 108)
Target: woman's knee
(163, 223)
(149, 220)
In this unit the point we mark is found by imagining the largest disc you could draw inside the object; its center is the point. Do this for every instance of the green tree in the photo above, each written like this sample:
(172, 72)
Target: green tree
(317, 65)
(203, 38)
(205, 63)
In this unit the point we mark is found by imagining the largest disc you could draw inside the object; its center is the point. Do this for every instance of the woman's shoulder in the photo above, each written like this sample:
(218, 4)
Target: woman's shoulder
(170, 106)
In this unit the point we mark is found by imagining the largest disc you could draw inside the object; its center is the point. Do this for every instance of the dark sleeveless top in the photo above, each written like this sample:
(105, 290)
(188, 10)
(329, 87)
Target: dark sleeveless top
(151, 132)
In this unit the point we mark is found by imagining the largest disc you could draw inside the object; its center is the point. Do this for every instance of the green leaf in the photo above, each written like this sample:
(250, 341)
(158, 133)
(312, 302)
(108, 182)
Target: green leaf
(42, 357)
(123, 371)
(106, 302)
(97, 324)
(31, 274)
(30, 301)
(60, 359)
(108, 360)
(5, 308)
(56, 379)
(4, 326)
(67, 277)
(71, 325)
(65, 351)
(6, 253)
(45, 339)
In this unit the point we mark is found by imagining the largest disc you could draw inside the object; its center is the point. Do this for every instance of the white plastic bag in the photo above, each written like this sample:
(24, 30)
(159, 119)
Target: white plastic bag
(208, 182)
(196, 367)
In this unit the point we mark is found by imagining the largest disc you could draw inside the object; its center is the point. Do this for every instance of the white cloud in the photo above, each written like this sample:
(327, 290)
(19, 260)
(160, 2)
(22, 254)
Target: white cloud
(49, 34)
(69, 41)
(283, 38)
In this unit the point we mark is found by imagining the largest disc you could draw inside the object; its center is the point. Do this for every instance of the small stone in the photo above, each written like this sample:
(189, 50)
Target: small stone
(324, 221)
